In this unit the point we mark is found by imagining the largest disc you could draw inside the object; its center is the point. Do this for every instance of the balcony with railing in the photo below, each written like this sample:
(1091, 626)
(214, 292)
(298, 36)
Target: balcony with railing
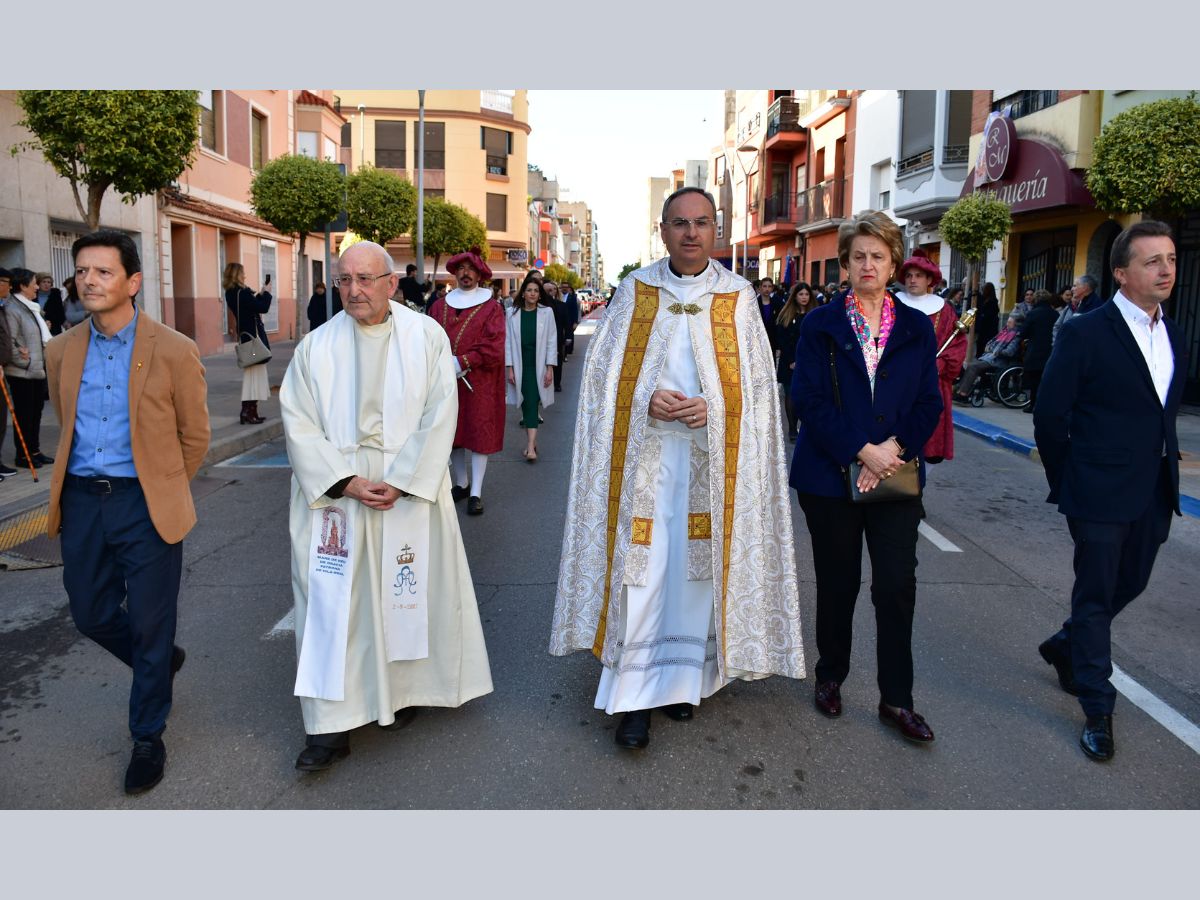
(784, 130)
(777, 216)
(820, 203)
(1024, 103)
(954, 155)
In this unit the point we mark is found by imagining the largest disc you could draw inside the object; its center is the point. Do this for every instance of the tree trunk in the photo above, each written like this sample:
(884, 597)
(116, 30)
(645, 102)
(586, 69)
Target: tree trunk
(95, 197)
(301, 288)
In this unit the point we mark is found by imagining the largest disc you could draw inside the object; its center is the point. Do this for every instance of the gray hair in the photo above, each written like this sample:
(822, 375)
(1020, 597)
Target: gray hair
(1089, 282)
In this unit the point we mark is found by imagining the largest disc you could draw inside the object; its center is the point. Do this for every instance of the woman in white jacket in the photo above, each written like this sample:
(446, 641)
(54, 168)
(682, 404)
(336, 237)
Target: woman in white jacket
(530, 354)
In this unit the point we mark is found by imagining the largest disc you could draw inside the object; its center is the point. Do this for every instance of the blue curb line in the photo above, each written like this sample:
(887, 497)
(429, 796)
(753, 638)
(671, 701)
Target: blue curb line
(994, 434)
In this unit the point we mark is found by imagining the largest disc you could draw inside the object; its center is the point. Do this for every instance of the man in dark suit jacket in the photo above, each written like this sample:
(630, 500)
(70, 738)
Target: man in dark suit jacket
(1105, 429)
(131, 397)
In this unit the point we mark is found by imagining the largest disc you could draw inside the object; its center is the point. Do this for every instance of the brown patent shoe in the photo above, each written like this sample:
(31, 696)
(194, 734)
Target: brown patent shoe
(912, 726)
(828, 699)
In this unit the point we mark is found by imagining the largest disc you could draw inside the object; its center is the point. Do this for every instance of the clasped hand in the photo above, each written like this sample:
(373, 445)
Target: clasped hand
(375, 494)
(879, 461)
(673, 406)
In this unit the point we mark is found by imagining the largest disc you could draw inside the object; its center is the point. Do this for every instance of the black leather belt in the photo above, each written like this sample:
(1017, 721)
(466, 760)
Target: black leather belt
(100, 484)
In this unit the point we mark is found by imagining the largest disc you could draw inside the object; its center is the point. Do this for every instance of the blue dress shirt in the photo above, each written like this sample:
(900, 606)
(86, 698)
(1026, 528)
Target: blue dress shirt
(101, 445)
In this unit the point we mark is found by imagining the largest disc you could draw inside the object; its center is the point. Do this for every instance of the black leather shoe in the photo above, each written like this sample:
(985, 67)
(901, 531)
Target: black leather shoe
(1062, 665)
(316, 759)
(22, 463)
(912, 726)
(474, 506)
(828, 699)
(403, 719)
(41, 459)
(634, 731)
(1097, 738)
(145, 766)
(679, 712)
(459, 494)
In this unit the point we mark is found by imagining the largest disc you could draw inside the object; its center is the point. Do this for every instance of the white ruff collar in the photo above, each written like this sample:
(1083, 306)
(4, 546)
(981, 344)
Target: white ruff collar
(930, 304)
(460, 299)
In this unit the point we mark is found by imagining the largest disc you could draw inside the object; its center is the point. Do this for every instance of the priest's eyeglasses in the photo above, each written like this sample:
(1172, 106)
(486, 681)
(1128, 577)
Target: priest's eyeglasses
(683, 224)
(366, 282)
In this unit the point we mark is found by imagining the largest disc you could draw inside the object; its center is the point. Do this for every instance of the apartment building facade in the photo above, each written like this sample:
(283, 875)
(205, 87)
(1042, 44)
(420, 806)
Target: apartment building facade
(476, 155)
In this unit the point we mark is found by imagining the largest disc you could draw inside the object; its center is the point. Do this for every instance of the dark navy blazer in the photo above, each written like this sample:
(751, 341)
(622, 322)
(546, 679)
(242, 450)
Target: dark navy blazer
(1099, 425)
(907, 401)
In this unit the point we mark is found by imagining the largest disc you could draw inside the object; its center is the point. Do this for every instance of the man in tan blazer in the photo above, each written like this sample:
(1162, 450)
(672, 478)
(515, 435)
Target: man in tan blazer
(131, 397)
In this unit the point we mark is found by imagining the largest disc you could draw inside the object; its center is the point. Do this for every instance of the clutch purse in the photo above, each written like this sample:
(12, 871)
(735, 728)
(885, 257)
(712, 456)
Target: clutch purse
(905, 484)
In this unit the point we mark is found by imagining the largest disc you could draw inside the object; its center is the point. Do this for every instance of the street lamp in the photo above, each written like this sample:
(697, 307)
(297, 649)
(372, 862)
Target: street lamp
(362, 134)
(420, 247)
(747, 147)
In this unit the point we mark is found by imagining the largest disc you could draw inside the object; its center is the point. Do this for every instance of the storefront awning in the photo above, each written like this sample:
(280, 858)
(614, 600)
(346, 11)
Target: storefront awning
(1037, 177)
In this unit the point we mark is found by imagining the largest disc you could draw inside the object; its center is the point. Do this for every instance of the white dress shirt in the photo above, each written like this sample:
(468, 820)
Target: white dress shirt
(1152, 339)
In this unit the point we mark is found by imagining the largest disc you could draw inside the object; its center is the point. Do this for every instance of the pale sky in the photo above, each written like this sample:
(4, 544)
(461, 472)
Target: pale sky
(602, 146)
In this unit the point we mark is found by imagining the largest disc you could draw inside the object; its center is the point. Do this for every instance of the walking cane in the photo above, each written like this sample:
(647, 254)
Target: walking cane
(17, 427)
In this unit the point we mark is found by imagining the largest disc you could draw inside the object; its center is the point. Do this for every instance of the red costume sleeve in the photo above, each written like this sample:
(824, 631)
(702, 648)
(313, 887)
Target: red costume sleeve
(487, 347)
(950, 363)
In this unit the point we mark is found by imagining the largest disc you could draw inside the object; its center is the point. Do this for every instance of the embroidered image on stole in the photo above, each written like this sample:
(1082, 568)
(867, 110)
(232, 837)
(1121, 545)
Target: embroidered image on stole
(321, 670)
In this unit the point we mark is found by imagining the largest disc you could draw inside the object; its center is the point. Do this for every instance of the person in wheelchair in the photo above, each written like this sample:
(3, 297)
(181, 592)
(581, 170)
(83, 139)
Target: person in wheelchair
(1001, 352)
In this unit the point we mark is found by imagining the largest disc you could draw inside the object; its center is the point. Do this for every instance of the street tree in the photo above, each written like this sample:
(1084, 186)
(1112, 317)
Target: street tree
(136, 142)
(380, 206)
(1147, 159)
(629, 267)
(297, 195)
(560, 274)
(973, 224)
(450, 229)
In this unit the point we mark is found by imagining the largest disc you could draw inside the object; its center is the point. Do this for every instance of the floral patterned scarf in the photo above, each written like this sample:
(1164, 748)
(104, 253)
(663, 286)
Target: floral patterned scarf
(872, 349)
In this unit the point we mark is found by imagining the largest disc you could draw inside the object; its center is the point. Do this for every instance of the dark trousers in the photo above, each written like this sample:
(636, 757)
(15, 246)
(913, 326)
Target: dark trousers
(837, 527)
(1113, 562)
(28, 396)
(1031, 380)
(4, 419)
(113, 555)
(558, 368)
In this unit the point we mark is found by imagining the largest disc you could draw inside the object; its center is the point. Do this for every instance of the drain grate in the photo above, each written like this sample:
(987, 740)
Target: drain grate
(24, 544)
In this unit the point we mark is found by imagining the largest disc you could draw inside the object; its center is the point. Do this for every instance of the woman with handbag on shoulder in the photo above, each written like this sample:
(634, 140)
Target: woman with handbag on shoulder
(248, 308)
(866, 391)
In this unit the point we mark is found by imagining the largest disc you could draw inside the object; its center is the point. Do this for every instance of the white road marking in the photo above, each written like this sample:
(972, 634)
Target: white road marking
(284, 625)
(938, 540)
(1157, 709)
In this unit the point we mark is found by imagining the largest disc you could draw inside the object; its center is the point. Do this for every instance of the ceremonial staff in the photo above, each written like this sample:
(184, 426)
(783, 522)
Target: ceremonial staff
(960, 327)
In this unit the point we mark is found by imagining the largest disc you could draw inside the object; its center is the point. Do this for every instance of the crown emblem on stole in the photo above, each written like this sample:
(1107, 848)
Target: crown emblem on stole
(405, 556)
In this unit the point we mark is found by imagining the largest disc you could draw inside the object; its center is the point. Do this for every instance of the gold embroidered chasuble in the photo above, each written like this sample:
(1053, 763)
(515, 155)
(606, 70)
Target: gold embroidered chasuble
(739, 516)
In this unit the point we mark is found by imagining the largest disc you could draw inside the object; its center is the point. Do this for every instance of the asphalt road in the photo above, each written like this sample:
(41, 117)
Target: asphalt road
(1006, 736)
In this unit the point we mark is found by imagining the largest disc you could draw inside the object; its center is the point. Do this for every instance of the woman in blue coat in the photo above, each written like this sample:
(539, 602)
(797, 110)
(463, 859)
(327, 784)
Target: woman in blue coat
(248, 308)
(883, 353)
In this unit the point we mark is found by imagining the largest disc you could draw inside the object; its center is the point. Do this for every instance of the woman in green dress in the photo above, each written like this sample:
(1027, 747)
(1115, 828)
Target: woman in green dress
(530, 354)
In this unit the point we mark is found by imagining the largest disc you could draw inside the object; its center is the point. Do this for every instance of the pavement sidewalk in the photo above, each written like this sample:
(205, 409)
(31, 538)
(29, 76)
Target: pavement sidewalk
(1012, 430)
(20, 493)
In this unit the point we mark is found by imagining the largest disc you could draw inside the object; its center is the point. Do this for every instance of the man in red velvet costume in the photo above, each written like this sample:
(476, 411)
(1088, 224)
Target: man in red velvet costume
(919, 273)
(474, 321)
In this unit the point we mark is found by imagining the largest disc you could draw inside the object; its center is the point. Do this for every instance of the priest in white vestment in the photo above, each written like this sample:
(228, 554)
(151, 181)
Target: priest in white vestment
(678, 566)
(386, 617)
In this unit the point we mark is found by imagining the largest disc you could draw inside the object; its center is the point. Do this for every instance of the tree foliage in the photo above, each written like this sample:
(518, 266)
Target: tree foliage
(450, 229)
(136, 142)
(629, 267)
(1147, 159)
(380, 206)
(297, 194)
(560, 274)
(974, 223)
